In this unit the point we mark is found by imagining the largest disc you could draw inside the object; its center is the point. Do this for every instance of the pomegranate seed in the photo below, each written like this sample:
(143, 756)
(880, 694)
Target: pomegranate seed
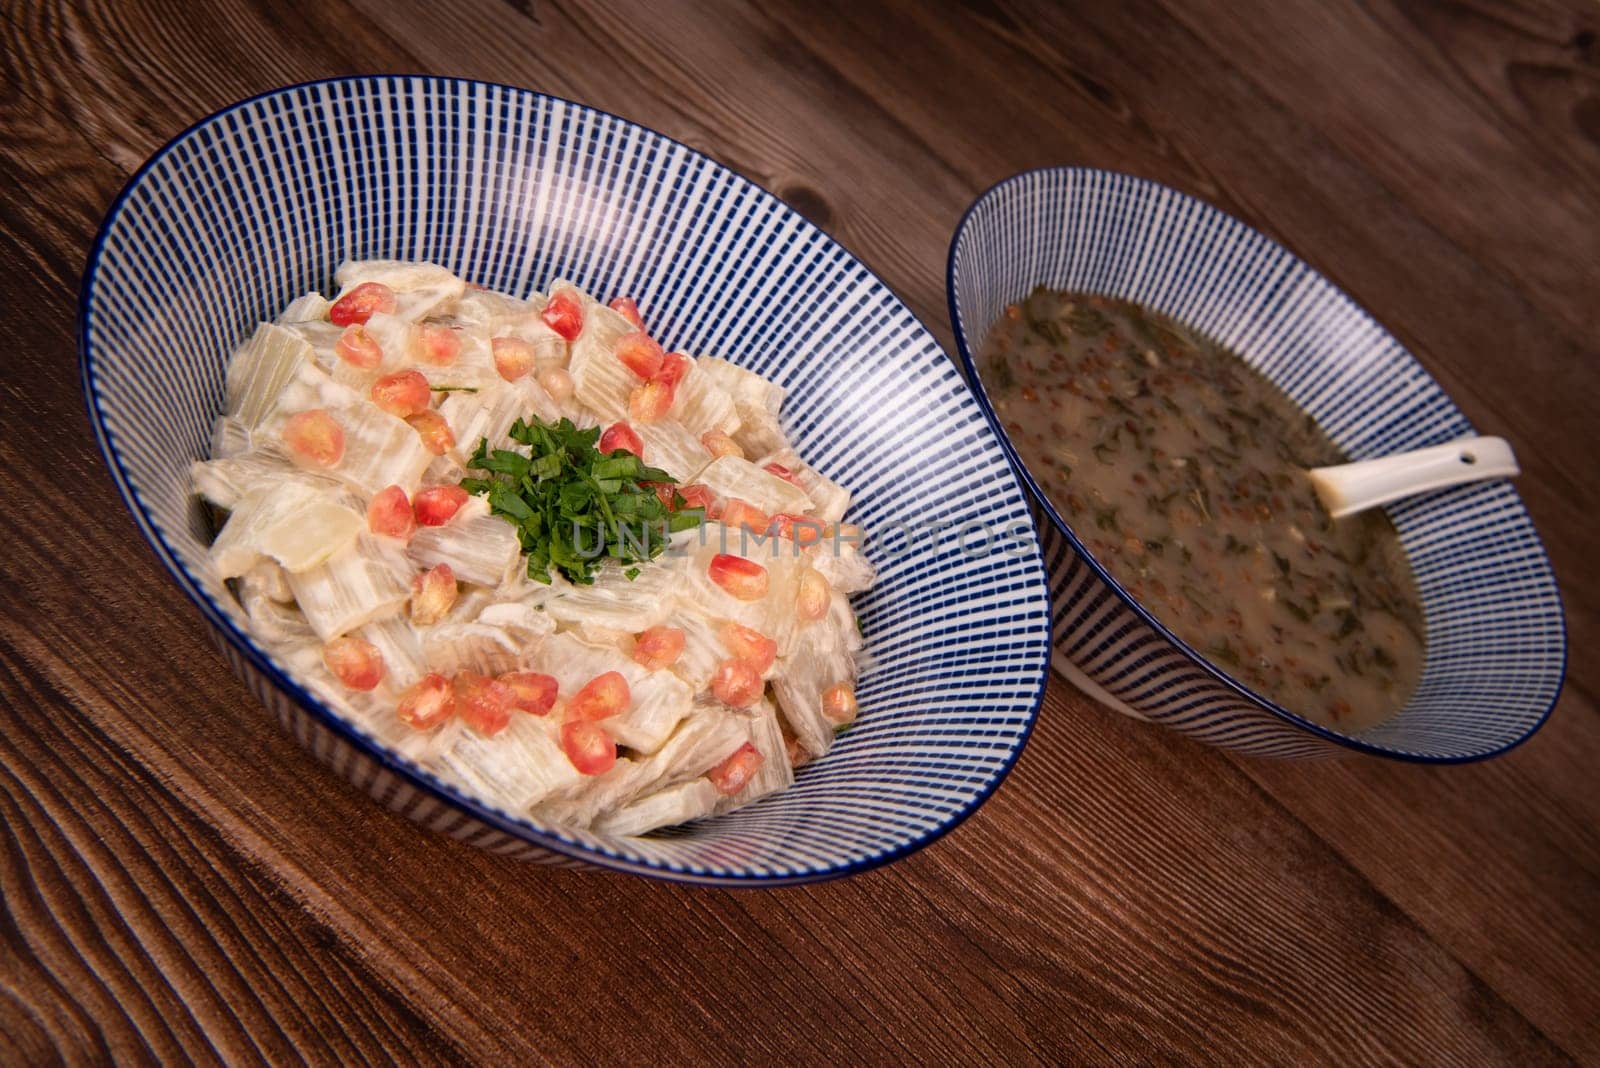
(437, 505)
(513, 357)
(639, 353)
(625, 307)
(357, 662)
(839, 705)
(745, 579)
(314, 439)
(437, 437)
(649, 402)
(783, 473)
(390, 514)
(564, 315)
(483, 702)
(358, 348)
(435, 345)
(602, 696)
(736, 684)
(719, 444)
(815, 596)
(433, 594)
(362, 303)
(735, 773)
(557, 382)
(427, 702)
(402, 394)
(531, 691)
(743, 515)
(674, 365)
(658, 647)
(802, 530)
(749, 646)
(589, 747)
(621, 436)
(696, 495)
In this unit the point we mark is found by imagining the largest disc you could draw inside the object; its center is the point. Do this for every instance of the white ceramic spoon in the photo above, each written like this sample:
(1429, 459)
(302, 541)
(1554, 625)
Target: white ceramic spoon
(1350, 488)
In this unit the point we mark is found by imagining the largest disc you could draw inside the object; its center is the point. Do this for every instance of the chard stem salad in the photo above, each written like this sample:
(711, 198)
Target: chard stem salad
(579, 577)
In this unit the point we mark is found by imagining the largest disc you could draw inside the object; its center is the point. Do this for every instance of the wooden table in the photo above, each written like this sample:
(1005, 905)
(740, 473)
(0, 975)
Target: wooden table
(180, 881)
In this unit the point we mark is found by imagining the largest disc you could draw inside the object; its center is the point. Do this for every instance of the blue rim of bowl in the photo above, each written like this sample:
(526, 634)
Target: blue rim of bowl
(549, 838)
(969, 365)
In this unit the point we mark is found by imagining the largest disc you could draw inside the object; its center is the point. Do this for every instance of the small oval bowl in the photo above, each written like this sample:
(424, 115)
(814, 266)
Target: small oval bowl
(1496, 637)
(510, 189)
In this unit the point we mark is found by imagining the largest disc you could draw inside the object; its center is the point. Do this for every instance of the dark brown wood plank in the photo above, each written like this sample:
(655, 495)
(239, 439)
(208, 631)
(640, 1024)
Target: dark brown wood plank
(134, 929)
(1502, 867)
(179, 880)
(1522, 182)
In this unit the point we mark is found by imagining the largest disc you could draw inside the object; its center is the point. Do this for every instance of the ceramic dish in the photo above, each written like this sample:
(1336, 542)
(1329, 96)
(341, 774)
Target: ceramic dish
(1496, 641)
(509, 188)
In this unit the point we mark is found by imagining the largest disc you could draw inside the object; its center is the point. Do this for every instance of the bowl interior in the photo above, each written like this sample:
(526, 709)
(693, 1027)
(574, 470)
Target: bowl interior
(1496, 642)
(511, 189)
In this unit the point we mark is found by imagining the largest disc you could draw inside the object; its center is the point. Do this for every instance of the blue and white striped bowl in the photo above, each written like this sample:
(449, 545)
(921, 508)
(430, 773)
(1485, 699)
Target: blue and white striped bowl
(1496, 638)
(509, 188)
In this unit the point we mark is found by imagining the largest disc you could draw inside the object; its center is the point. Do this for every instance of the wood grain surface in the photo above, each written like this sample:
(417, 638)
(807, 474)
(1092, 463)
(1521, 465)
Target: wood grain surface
(181, 883)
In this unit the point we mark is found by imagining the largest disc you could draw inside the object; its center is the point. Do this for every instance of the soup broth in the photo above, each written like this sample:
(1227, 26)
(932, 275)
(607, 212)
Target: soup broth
(1184, 471)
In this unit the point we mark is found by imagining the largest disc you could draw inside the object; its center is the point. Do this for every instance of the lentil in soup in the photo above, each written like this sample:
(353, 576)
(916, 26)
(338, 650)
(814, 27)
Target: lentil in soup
(1183, 470)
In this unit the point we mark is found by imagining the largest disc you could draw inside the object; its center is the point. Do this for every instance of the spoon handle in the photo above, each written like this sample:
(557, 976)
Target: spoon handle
(1349, 488)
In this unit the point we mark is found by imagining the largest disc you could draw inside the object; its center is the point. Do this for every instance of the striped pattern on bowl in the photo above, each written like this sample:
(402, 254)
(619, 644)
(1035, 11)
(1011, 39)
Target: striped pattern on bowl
(1495, 631)
(260, 203)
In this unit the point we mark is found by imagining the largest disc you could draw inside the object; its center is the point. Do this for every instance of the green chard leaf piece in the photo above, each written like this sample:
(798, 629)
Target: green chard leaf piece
(573, 506)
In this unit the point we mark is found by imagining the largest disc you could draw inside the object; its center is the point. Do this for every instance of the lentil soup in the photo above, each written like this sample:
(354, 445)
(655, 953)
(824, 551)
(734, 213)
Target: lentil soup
(1183, 470)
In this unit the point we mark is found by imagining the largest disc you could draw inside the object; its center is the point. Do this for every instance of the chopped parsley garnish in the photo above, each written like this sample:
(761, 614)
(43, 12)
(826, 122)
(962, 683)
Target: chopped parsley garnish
(1000, 372)
(575, 507)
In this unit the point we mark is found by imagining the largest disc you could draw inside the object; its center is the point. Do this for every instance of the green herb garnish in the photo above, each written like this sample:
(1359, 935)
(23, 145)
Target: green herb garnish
(1047, 330)
(1088, 321)
(575, 507)
(1297, 610)
(452, 389)
(1000, 372)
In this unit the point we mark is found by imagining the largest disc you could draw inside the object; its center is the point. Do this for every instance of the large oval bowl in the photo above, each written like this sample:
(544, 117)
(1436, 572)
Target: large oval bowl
(1496, 639)
(509, 188)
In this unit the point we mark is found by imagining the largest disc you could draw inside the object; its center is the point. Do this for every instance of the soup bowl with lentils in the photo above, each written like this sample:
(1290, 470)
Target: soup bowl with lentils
(1164, 377)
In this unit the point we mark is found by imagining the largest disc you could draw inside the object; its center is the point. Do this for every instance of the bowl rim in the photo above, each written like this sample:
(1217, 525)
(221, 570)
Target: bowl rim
(969, 366)
(548, 837)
